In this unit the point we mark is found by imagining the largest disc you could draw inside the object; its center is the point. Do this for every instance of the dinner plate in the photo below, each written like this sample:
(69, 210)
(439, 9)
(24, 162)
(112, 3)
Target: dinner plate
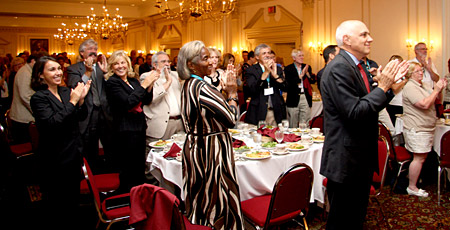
(319, 141)
(296, 150)
(234, 131)
(155, 144)
(244, 155)
(280, 152)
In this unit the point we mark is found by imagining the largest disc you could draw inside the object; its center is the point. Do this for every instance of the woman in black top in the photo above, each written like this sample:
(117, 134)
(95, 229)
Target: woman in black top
(126, 96)
(56, 110)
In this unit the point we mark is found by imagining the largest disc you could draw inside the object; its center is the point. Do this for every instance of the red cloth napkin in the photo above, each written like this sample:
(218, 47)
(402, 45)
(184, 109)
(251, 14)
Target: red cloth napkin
(291, 137)
(238, 143)
(447, 111)
(173, 151)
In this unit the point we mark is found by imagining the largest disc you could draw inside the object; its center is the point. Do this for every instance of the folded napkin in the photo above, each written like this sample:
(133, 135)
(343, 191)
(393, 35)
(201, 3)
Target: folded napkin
(268, 132)
(291, 137)
(173, 151)
(238, 143)
(447, 111)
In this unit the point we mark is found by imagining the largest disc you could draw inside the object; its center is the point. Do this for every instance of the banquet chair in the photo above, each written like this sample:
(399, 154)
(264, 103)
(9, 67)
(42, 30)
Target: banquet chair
(444, 160)
(317, 122)
(289, 199)
(398, 154)
(107, 216)
(19, 150)
(242, 116)
(34, 136)
(154, 207)
(106, 182)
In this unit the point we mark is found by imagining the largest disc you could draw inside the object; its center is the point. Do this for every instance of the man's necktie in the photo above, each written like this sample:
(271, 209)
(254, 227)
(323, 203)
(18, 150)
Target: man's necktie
(364, 75)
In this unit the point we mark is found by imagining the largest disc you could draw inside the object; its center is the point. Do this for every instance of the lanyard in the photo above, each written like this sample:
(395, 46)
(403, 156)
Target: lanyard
(197, 77)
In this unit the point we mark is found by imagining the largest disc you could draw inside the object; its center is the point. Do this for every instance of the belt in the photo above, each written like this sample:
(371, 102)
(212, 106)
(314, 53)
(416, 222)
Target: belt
(301, 93)
(269, 108)
(175, 117)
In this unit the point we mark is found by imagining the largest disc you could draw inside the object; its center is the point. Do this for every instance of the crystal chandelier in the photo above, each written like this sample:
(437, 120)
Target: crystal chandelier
(106, 26)
(70, 34)
(215, 10)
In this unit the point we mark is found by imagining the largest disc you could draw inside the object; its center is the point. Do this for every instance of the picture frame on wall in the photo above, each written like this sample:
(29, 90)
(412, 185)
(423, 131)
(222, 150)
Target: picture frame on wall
(38, 45)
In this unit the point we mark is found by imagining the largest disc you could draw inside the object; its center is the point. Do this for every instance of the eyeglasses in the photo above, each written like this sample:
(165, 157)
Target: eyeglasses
(418, 71)
(165, 61)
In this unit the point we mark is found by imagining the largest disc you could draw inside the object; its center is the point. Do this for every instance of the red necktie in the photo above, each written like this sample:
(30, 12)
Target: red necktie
(366, 80)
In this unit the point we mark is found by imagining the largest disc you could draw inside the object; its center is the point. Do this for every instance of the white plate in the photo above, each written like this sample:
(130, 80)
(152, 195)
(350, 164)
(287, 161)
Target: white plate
(280, 152)
(296, 150)
(153, 144)
(319, 141)
(244, 155)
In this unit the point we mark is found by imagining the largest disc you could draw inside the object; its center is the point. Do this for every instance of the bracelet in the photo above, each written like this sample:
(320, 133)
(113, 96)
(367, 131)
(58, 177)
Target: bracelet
(233, 99)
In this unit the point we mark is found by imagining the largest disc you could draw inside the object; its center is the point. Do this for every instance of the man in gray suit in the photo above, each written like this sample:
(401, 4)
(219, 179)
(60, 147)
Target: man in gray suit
(97, 125)
(351, 109)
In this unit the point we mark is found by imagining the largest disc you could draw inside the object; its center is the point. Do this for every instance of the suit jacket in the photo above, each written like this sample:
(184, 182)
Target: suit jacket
(59, 136)
(144, 68)
(292, 81)
(157, 112)
(257, 109)
(125, 101)
(20, 107)
(350, 122)
(75, 73)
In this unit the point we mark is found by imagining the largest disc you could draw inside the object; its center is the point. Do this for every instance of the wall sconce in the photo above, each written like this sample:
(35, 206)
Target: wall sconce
(317, 47)
(410, 44)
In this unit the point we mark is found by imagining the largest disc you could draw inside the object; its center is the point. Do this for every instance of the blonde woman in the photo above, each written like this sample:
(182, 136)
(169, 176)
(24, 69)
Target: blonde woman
(216, 72)
(126, 96)
(419, 121)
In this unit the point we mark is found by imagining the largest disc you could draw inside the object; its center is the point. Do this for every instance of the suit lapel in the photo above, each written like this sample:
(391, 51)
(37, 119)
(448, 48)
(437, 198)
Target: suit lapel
(53, 98)
(359, 77)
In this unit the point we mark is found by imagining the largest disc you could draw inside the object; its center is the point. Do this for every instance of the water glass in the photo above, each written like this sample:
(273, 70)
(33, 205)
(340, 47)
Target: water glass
(257, 139)
(279, 135)
(285, 124)
(302, 126)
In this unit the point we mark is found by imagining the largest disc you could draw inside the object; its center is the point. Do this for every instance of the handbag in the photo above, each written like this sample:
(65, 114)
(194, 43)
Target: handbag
(398, 140)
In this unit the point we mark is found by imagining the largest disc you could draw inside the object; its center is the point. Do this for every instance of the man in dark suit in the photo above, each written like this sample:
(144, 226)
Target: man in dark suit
(329, 53)
(299, 78)
(147, 66)
(351, 109)
(265, 81)
(97, 125)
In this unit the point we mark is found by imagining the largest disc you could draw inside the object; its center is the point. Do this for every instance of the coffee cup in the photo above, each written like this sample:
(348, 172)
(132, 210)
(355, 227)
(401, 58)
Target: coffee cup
(280, 147)
(178, 138)
(315, 131)
(307, 139)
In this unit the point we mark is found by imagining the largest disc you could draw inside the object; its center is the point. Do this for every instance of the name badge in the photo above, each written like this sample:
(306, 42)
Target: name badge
(268, 91)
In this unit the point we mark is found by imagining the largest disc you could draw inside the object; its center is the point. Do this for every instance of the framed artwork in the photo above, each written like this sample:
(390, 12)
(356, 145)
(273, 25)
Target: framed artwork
(37, 45)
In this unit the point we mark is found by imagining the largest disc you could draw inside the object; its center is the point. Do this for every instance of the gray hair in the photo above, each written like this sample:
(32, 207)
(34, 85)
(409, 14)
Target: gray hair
(114, 59)
(259, 47)
(416, 47)
(295, 52)
(85, 44)
(190, 52)
(155, 57)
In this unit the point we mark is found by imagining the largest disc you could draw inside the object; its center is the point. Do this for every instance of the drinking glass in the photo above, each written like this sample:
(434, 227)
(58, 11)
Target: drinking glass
(257, 140)
(302, 126)
(261, 123)
(279, 135)
(285, 124)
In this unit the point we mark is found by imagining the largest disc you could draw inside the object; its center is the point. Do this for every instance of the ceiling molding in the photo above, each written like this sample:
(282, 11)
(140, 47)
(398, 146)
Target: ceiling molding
(26, 29)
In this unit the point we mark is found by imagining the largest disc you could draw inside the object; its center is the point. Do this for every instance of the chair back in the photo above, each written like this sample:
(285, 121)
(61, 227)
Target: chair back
(34, 135)
(385, 132)
(92, 185)
(6, 154)
(242, 116)
(8, 124)
(291, 194)
(444, 158)
(383, 157)
(317, 122)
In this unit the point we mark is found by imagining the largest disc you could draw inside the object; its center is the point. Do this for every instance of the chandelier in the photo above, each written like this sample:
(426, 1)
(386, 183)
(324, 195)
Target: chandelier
(215, 10)
(70, 34)
(106, 26)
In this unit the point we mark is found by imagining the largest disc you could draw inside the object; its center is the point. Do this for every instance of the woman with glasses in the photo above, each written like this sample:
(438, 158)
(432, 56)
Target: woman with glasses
(419, 117)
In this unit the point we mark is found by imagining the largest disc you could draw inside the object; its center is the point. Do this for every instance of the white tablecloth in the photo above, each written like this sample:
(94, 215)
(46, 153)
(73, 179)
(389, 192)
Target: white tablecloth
(316, 108)
(255, 177)
(438, 133)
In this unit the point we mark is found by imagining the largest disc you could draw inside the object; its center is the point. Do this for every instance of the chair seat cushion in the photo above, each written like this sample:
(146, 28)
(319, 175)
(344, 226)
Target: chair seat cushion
(402, 154)
(21, 149)
(190, 226)
(116, 212)
(372, 190)
(256, 209)
(105, 183)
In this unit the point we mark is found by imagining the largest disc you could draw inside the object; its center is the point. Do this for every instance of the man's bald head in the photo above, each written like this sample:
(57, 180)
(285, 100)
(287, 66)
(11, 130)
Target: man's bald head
(353, 36)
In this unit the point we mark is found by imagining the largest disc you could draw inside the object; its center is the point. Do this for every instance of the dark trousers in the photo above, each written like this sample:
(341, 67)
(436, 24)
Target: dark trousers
(129, 155)
(98, 129)
(348, 204)
(392, 110)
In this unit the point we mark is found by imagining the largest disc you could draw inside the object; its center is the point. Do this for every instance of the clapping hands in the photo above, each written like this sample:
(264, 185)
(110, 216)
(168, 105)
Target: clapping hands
(78, 94)
(393, 71)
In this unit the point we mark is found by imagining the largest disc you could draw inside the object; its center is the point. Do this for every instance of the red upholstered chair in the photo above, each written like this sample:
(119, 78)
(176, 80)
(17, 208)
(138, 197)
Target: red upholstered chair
(444, 160)
(19, 150)
(317, 122)
(398, 154)
(153, 207)
(106, 215)
(289, 199)
(107, 182)
(242, 116)
(383, 157)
